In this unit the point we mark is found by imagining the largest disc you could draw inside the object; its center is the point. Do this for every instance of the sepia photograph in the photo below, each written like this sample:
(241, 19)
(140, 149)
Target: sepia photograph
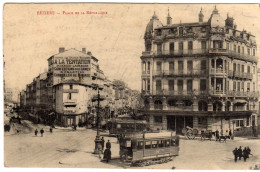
(131, 86)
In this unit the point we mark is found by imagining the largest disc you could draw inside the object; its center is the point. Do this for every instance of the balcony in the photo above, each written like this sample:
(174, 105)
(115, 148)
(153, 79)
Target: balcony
(243, 94)
(182, 52)
(194, 72)
(218, 71)
(242, 75)
(218, 50)
(193, 52)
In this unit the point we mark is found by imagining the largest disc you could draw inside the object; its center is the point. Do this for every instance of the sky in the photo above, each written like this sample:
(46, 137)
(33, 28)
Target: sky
(115, 38)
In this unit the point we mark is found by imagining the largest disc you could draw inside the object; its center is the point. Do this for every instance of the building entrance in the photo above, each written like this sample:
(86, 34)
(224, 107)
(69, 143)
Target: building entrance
(171, 123)
(71, 121)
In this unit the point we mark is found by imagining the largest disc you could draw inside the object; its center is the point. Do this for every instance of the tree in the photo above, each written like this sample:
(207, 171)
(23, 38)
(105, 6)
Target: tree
(120, 84)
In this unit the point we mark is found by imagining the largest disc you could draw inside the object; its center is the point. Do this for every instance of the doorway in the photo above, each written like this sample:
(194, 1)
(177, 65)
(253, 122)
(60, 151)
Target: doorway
(171, 123)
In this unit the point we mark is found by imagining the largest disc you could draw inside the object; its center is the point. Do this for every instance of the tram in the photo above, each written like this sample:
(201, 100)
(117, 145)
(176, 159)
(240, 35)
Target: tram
(148, 148)
(120, 126)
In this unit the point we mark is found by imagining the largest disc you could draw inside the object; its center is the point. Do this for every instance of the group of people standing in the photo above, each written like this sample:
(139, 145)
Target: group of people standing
(107, 152)
(41, 131)
(239, 153)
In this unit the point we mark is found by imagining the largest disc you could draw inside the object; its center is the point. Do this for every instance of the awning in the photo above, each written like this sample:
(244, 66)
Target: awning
(239, 101)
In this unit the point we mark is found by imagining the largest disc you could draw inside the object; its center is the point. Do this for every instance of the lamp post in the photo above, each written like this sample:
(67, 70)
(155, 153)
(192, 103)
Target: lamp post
(97, 139)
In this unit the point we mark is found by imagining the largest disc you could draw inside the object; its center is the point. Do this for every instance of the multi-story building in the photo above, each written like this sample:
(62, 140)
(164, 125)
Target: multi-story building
(200, 74)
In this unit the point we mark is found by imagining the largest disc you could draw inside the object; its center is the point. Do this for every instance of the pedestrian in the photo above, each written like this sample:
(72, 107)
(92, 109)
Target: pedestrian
(108, 144)
(102, 143)
(50, 129)
(42, 131)
(245, 154)
(249, 151)
(107, 155)
(235, 152)
(99, 150)
(230, 134)
(36, 132)
(217, 135)
(240, 153)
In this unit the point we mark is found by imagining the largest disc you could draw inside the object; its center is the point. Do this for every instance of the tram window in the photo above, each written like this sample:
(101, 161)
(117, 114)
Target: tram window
(154, 144)
(167, 143)
(148, 145)
(128, 143)
(140, 145)
(173, 142)
(160, 143)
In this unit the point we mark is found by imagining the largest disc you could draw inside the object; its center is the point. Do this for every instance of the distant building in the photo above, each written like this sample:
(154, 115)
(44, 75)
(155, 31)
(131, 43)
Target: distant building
(202, 75)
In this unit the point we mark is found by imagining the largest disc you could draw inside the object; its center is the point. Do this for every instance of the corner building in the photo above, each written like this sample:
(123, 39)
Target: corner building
(202, 75)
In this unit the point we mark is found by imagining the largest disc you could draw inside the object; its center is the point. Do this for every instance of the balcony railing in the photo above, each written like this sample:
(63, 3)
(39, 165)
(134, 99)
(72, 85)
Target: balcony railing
(218, 71)
(184, 52)
(194, 72)
(240, 74)
(206, 92)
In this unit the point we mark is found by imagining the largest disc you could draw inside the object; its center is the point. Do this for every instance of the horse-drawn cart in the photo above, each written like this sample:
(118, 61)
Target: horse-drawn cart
(191, 133)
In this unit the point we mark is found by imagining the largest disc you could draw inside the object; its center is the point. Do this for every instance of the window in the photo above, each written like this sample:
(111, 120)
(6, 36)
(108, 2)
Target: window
(159, 32)
(243, 50)
(190, 65)
(140, 145)
(248, 87)
(167, 143)
(159, 48)
(242, 86)
(189, 85)
(203, 65)
(171, 47)
(227, 46)
(238, 49)
(235, 48)
(157, 119)
(239, 123)
(190, 45)
(180, 46)
(180, 85)
(147, 145)
(248, 51)
(248, 69)
(154, 144)
(203, 45)
(158, 85)
(253, 86)
(159, 66)
(157, 104)
(253, 52)
(234, 67)
(160, 143)
(172, 102)
(71, 86)
(254, 69)
(171, 85)
(148, 85)
(203, 85)
(238, 86)
(171, 66)
(173, 143)
(180, 66)
(242, 68)
(247, 121)
(234, 85)
(69, 96)
(148, 67)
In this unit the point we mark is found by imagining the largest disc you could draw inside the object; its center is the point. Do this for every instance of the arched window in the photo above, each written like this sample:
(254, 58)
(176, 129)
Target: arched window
(217, 106)
(157, 104)
(203, 106)
(228, 105)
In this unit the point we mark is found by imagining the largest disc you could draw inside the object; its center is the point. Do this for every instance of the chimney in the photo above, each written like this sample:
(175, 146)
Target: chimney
(61, 49)
(89, 53)
(83, 50)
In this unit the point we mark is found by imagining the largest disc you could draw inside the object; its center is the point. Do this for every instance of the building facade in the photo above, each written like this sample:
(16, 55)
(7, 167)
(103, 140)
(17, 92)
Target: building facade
(202, 75)
(69, 90)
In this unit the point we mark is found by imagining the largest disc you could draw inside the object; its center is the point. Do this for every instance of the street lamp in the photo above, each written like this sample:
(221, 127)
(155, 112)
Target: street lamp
(97, 139)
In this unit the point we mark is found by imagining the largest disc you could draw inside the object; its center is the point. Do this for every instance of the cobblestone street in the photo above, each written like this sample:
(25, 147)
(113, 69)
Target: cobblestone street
(67, 148)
